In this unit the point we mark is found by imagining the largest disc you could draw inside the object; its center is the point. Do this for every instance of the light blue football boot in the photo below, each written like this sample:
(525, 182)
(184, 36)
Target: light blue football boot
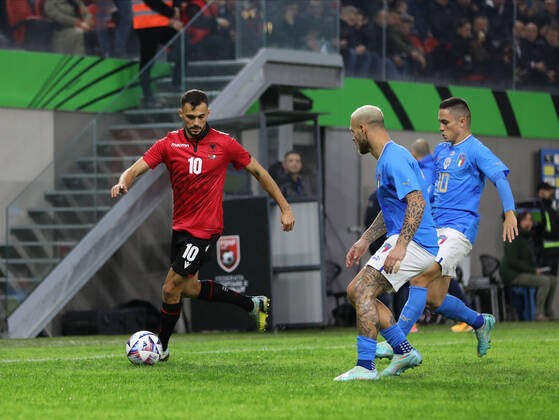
(403, 362)
(358, 373)
(483, 334)
(384, 351)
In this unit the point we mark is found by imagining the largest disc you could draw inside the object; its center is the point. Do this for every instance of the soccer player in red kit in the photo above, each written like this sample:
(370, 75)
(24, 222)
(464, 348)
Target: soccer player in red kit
(196, 158)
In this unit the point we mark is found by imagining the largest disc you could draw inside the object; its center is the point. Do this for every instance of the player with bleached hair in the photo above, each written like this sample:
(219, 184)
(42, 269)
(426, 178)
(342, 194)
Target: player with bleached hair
(409, 249)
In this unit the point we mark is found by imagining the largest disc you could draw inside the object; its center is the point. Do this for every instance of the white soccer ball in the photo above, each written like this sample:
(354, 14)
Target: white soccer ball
(143, 348)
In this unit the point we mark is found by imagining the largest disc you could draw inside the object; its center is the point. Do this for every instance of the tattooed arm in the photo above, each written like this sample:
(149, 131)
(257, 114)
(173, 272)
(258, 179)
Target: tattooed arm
(412, 218)
(375, 231)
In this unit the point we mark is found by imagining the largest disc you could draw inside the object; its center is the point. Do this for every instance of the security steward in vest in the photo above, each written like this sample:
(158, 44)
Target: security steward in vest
(548, 230)
(155, 23)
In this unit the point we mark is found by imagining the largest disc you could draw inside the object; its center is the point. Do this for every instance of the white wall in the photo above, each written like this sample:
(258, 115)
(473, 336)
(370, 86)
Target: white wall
(26, 141)
(29, 141)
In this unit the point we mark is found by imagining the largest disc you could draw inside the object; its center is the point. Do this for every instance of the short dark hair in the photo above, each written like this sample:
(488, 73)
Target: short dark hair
(544, 186)
(194, 97)
(458, 105)
(521, 216)
(290, 152)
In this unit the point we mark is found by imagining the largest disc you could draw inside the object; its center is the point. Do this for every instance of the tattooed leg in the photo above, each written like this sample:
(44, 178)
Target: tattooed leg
(363, 292)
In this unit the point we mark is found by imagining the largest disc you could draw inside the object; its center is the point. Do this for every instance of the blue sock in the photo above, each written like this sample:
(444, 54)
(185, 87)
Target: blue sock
(413, 308)
(454, 308)
(366, 349)
(397, 340)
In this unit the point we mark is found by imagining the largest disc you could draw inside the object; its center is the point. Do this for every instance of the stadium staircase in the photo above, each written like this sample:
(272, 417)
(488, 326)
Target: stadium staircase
(75, 227)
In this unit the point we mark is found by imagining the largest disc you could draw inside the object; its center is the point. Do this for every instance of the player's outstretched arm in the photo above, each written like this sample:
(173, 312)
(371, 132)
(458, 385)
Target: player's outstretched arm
(128, 177)
(510, 226)
(270, 186)
(373, 232)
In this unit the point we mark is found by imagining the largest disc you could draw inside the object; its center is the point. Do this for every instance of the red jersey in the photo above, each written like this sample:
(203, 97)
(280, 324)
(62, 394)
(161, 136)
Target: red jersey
(197, 170)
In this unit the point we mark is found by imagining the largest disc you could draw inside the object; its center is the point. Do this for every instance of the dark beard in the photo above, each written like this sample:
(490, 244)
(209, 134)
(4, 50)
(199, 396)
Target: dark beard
(364, 148)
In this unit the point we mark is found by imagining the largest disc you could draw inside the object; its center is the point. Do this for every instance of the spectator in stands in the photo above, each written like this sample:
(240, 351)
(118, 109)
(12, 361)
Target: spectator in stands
(503, 70)
(547, 233)
(3, 22)
(532, 68)
(551, 52)
(409, 60)
(500, 14)
(519, 268)
(354, 45)
(291, 180)
(113, 22)
(525, 11)
(72, 20)
(419, 10)
(482, 49)
(155, 23)
(442, 19)
(227, 32)
(250, 25)
(548, 15)
(376, 39)
(459, 62)
(209, 33)
(317, 24)
(467, 9)
(286, 25)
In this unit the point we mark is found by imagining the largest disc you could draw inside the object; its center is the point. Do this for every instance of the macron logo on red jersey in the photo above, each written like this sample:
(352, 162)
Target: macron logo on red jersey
(180, 145)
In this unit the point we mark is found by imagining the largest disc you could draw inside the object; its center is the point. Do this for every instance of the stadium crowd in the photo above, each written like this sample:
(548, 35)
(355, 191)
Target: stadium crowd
(470, 41)
(466, 41)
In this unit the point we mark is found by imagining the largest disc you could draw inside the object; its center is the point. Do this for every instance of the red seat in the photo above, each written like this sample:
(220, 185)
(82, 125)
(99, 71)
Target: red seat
(29, 26)
(18, 12)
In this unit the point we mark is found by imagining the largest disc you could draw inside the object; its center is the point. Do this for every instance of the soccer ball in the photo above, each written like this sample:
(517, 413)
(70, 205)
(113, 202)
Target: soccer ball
(143, 348)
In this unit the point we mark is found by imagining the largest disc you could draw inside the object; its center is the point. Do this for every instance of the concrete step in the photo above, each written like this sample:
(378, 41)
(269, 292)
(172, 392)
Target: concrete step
(65, 215)
(129, 147)
(79, 198)
(203, 82)
(111, 163)
(44, 249)
(50, 232)
(86, 181)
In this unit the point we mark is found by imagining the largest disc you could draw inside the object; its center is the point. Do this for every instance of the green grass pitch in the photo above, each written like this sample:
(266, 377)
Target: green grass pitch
(284, 375)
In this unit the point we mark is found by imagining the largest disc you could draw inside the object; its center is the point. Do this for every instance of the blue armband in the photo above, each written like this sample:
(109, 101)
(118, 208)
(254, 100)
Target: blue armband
(505, 193)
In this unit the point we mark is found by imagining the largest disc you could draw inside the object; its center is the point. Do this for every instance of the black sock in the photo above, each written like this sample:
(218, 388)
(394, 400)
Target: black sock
(215, 292)
(170, 313)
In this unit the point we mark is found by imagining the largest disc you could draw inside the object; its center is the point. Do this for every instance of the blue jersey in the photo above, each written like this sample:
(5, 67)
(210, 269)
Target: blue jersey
(427, 165)
(461, 171)
(398, 174)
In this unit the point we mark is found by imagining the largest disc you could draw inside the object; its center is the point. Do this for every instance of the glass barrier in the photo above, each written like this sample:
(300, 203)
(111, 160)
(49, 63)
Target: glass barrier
(55, 211)
(503, 45)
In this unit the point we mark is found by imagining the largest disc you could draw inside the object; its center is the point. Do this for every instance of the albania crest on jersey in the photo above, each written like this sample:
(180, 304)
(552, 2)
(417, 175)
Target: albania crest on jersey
(228, 252)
